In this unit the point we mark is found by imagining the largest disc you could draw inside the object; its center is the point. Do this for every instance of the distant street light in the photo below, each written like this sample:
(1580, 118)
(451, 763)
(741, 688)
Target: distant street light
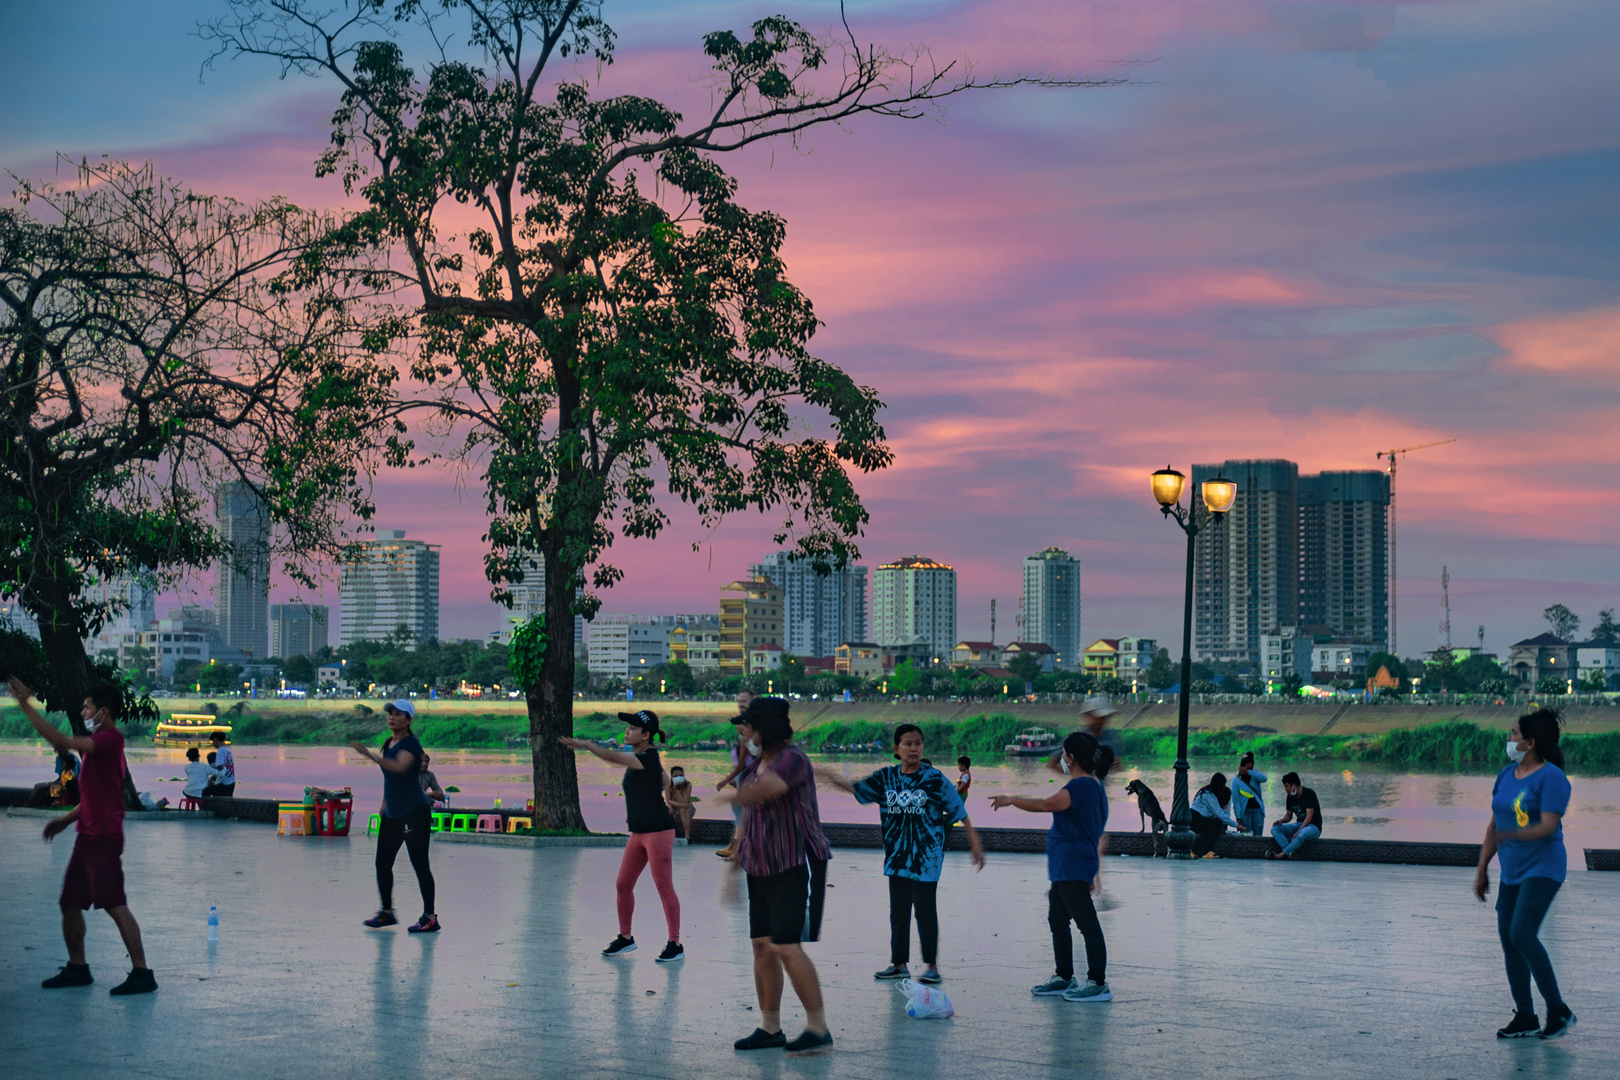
(1218, 495)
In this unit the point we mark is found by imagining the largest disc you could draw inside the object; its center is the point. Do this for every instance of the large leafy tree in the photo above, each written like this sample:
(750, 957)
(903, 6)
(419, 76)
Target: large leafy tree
(1564, 622)
(613, 319)
(154, 342)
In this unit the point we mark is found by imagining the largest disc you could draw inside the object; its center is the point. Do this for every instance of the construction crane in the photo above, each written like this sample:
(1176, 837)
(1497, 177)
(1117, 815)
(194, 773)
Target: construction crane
(1391, 455)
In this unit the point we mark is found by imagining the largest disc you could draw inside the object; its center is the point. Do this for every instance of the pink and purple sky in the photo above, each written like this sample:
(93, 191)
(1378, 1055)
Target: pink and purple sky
(1303, 230)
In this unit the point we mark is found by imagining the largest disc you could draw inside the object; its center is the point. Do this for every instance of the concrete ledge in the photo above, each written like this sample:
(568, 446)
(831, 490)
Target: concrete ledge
(607, 840)
(1602, 858)
(264, 810)
(129, 815)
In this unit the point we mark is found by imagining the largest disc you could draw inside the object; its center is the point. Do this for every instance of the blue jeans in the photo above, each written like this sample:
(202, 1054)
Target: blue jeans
(1253, 819)
(1291, 836)
(1519, 911)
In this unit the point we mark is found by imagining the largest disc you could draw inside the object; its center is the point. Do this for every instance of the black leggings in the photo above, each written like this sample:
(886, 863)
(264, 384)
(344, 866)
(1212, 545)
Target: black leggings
(411, 829)
(1209, 830)
(1072, 900)
(904, 894)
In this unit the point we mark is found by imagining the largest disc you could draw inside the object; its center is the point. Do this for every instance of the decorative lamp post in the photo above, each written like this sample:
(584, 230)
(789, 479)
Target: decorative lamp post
(1217, 495)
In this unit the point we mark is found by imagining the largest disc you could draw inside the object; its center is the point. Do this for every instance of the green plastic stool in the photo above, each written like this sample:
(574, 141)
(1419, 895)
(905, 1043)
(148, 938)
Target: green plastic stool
(462, 822)
(374, 825)
(441, 822)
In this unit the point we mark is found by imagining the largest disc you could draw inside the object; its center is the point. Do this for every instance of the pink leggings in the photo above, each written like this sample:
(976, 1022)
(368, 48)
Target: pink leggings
(644, 848)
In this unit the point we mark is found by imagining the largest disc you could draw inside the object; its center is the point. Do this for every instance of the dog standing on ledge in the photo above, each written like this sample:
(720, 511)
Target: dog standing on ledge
(1147, 805)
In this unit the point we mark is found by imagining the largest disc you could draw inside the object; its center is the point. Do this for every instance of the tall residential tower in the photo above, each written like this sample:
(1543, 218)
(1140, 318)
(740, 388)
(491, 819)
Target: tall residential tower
(819, 611)
(394, 583)
(242, 578)
(915, 598)
(1052, 604)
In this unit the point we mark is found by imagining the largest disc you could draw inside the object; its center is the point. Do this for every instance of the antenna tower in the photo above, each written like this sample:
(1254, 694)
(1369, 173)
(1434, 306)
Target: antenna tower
(1445, 606)
(992, 620)
(1482, 637)
(1391, 455)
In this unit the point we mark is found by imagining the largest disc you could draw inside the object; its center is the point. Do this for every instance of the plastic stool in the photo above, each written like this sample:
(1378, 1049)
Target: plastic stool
(374, 825)
(462, 822)
(441, 821)
(290, 823)
(188, 803)
(490, 823)
(512, 823)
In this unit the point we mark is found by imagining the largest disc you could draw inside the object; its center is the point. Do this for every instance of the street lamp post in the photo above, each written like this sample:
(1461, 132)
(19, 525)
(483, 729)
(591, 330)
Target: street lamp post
(1217, 496)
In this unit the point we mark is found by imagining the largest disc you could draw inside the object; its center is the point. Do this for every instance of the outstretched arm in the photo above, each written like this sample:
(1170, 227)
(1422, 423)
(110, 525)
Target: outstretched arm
(1054, 803)
(617, 757)
(47, 730)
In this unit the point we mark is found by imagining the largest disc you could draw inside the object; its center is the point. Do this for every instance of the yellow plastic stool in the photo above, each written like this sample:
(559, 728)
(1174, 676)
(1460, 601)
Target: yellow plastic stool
(512, 823)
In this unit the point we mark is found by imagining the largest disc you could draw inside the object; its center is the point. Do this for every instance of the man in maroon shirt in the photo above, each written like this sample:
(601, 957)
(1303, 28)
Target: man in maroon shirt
(95, 873)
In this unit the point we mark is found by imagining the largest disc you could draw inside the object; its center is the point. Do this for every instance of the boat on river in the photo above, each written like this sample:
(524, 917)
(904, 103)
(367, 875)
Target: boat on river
(1036, 742)
(189, 729)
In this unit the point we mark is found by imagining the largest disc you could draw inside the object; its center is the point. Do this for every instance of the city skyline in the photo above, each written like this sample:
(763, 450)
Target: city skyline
(1303, 232)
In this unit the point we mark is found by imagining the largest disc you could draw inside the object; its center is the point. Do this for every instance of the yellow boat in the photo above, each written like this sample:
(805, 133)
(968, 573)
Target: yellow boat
(189, 729)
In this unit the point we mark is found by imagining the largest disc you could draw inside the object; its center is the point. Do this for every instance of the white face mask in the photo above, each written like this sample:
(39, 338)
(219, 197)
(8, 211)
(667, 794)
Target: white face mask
(1065, 763)
(677, 779)
(1514, 754)
(753, 747)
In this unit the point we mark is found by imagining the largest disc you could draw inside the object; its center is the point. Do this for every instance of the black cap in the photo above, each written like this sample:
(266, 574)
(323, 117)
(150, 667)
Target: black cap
(644, 719)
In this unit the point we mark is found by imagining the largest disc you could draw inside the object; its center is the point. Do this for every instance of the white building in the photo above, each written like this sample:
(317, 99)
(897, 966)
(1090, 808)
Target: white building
(818, 610)
(1135, 657)
(1596, 656)
(697, 644)
(1340, 659)
(915, 597)
(1051, 608)
(242, 578)
(528, 600)
(1284, 651)
(14, 617)
(394, 583)
(624, 645)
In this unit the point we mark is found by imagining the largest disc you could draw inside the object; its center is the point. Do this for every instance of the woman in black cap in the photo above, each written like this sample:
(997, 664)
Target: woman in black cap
(652, 831)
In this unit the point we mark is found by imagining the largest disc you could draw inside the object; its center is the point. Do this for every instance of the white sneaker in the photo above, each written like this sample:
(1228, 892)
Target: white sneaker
(1056, 986)
(1089, 992)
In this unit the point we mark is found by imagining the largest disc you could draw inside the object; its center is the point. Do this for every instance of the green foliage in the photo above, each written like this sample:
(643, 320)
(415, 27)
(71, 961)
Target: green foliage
(220, 678)
(1026, 667)
(1162, 674)
(1606, 632)
(1552, 685)
(678, 677)
(1564, 622)
(300, 671)
(528, 653)
(906, 678)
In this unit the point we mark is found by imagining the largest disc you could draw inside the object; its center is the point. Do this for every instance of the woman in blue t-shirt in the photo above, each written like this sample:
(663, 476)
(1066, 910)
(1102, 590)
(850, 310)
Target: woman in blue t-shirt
(1079, 814)
(1526, 834)
(407, 817)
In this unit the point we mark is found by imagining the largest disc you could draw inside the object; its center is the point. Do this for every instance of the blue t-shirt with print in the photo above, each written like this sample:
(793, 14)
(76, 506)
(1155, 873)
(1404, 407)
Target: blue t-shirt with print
(915, 809)
(1518, 804)
(1071, 842)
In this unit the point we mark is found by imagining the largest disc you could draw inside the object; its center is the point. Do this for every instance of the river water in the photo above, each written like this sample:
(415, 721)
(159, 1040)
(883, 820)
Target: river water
(1356, 802)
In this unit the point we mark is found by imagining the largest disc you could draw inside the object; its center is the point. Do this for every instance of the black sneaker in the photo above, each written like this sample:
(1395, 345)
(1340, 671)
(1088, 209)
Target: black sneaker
(1558, 1023)
(427, 924)
(382, 919)
(1522, 1025)
(761, 1040)
(71, 975)
(809, 1041)
(893, 971)
(140, 981)
(672, 952)
(619, 946)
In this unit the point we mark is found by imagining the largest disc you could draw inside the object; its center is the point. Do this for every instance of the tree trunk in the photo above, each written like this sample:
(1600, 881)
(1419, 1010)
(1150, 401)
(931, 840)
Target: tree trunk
(551, 707)
(61, 633)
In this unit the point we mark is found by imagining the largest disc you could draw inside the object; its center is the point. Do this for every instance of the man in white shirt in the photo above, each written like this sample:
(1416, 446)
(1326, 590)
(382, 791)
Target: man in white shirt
(225, 765)
(198, 775)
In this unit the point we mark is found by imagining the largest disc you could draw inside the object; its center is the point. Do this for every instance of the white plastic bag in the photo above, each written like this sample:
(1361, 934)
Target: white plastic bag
(923, 1002)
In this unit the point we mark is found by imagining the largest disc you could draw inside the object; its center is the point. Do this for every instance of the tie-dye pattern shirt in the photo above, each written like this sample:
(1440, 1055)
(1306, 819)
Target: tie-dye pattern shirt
(915, 810)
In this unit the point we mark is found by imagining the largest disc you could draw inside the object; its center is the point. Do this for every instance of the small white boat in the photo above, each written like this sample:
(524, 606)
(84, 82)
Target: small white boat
(1036, 742)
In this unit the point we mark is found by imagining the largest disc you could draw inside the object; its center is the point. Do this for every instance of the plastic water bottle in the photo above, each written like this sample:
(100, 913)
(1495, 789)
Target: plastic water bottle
(213, 924)
(497, 802)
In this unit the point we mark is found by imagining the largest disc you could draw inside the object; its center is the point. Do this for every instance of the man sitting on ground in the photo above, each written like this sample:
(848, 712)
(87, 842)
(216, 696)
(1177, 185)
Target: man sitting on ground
(225, 786)
(198, 775)
(1301, 824)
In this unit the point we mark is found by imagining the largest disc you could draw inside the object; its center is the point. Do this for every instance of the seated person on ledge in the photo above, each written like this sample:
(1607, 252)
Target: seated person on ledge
(225, 763)
(430, 784)
(1301, 824)
(198, 775)
(64, 790)
(1211, 816)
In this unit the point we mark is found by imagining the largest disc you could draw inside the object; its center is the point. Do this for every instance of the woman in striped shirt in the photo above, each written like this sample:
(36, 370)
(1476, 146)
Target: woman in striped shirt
(783, 837)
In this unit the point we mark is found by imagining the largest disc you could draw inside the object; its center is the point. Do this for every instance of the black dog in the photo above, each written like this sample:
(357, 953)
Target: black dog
(1147, 805)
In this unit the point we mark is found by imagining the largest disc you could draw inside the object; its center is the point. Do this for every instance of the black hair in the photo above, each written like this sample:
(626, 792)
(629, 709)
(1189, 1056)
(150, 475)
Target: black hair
(211, 757)
(216, 736)
(965, 762)
(1541, 727)
(768, 716)
(1246, 759)
(902, 731)
(681, 768)
(1217, 786)
(647, 722)
(1091, 755)
(191, 753)
(1291, 778)
(108, 696)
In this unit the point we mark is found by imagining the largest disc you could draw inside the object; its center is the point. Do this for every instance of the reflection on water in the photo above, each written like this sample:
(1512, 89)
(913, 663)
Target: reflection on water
(1360, 803)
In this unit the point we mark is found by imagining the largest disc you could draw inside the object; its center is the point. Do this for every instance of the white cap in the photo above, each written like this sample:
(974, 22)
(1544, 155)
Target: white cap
(1099, 705)
(402, 705)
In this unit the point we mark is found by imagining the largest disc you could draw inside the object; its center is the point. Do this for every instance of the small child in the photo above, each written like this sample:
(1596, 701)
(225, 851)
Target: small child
(198, 775)
(964, 779)
(679, 797)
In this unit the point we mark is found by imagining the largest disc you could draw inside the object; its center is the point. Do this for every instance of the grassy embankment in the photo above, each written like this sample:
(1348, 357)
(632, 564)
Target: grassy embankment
(1449, 746)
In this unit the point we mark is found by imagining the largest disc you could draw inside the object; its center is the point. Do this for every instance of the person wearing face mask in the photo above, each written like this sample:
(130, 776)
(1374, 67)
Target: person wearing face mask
(95, 872)
(652, 831)
(406, 816)
(1248, 793)
(740, 760)
(679, 797)
(1302, 822)
(1526, 836)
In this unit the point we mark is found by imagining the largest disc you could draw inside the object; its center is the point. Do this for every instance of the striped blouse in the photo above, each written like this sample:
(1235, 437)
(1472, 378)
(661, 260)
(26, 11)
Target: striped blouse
(782, 832)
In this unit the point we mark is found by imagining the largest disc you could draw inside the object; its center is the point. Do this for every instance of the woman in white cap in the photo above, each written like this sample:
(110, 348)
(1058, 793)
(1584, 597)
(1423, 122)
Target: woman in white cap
(407, 817)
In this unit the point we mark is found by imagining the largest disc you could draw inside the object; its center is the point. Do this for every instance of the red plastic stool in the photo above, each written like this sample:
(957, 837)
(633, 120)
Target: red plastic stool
(188, 803)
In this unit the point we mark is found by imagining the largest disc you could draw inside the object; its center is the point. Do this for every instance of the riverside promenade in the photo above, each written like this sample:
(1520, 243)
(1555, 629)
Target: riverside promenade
(1219, 968)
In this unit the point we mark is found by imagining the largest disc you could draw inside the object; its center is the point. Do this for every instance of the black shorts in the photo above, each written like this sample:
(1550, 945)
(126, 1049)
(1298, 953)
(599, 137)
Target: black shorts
(777, 904)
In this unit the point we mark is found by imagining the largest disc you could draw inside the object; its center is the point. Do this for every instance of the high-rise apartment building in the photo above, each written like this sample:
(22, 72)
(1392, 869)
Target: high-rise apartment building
(394, 583)
(529, 599)
(1294, 551)
(298, 629)
(242, 578)
(750, 615)
(1343, 554)
(915, 598)
(624, 645)
(818, 610)
(1052, 604)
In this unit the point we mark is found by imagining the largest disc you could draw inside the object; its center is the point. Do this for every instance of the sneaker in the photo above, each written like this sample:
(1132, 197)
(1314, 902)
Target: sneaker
(381, 919)
(761, 1040)
(931, 977)
(673, 951)
(140, 981)
(809, 1041)
(893, 971)
(1055, 986)
(71, 975)
(619, 946)
(427, 924)
(1523, 1024)
(1089, 992)
(684, 841)
(1558, 1023)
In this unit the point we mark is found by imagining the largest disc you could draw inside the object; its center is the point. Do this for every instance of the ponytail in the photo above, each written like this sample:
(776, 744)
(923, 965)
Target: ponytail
(1093, 757)
(1542, 727)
